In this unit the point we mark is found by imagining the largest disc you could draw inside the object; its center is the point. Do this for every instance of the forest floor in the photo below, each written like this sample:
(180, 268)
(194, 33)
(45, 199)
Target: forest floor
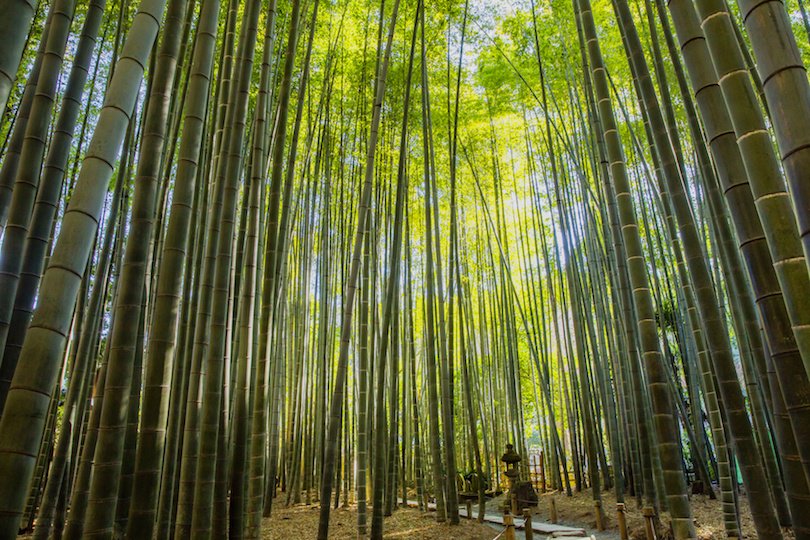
(578, 510)
(301, 521)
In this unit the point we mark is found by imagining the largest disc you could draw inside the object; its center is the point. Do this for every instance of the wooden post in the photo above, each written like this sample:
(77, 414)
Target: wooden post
(553, 509)
(649, 526)
(600, 526)
(621, 518)
(509, 533)
(527, 524)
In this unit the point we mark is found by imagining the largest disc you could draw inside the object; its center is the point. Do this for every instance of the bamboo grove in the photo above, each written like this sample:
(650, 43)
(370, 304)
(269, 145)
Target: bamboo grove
(267, 252)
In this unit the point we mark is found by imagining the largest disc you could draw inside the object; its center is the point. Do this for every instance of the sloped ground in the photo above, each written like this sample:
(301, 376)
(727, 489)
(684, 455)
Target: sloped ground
(302, 522)
(578, 510)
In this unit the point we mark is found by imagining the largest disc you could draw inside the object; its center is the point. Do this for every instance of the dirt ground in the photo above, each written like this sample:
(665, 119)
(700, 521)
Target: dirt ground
(301, 521)
(405, 523)
(578, 510)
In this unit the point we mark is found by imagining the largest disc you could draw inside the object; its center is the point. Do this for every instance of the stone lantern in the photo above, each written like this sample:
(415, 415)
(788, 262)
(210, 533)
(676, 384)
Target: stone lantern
(521, 494)
(511, 459)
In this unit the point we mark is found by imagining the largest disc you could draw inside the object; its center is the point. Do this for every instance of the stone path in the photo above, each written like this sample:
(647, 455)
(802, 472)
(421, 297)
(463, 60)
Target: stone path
(549, 529)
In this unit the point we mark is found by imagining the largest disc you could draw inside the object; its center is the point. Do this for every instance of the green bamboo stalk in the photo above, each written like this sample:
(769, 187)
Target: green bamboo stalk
(23, 418)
